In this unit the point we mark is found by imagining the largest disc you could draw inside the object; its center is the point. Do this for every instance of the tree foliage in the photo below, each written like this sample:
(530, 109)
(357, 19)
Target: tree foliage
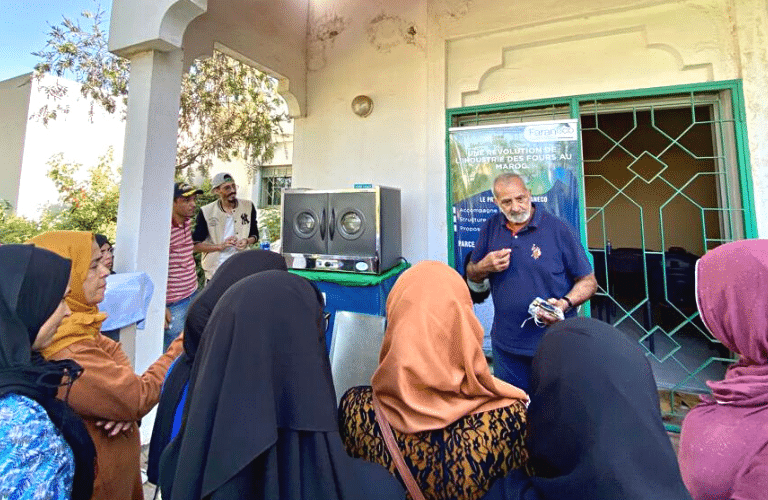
(86, 204)
(82, 54)
(16, 229)
(228, 109)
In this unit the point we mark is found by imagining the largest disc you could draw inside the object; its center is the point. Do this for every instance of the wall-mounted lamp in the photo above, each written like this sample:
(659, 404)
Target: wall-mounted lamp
(362, 105)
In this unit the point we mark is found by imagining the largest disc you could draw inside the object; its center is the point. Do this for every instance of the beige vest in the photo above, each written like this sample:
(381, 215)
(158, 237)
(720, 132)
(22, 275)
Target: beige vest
(216, 219)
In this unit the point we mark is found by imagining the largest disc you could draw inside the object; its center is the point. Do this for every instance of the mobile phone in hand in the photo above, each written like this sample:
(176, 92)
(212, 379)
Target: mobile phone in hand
(542, 305)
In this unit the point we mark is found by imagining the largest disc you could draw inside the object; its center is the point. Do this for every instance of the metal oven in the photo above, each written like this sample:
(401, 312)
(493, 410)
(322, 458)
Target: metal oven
(352, 230)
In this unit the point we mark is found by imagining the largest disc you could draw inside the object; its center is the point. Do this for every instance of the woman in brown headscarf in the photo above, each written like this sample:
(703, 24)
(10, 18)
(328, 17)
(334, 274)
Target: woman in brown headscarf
(109, 390)
(457, 427)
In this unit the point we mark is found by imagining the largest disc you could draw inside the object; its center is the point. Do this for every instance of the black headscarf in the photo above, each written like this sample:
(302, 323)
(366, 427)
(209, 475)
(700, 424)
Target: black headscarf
(594, 424)
(101, 240)
(260, 418)
(32, 284)
(237, 267)
(234, 269)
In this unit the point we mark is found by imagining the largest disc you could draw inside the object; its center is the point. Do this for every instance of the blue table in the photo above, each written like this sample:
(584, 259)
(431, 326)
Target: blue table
(362, 293)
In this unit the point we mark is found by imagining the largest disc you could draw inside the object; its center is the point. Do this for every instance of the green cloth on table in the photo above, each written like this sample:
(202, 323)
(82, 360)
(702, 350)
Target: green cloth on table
(351, 279)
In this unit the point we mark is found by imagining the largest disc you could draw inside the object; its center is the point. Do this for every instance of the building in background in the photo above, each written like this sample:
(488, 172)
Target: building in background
(26, 144)
(669, 97)
(83, 135)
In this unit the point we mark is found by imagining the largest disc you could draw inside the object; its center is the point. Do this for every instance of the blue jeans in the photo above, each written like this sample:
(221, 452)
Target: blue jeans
(178, 317)
(512, 368)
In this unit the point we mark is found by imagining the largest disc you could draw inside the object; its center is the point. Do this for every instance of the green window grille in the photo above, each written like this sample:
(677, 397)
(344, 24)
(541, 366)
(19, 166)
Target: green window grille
(273, 180)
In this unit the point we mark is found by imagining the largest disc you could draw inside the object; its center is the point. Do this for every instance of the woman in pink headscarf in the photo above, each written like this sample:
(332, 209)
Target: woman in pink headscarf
(724, 441)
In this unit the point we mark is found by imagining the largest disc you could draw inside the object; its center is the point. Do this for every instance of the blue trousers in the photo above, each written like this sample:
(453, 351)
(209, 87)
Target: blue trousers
(512, 368)
(178, 317)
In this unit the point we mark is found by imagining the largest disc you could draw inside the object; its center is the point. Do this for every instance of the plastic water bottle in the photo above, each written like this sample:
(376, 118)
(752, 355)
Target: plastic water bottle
(264, 237)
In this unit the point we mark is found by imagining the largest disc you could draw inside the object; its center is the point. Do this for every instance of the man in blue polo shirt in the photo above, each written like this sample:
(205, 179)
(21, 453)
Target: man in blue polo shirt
(522, 253)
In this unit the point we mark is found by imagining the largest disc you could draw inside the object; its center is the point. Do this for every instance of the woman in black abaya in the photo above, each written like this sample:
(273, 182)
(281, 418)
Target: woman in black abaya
(171, 405)
(260, 421)
(594, 424)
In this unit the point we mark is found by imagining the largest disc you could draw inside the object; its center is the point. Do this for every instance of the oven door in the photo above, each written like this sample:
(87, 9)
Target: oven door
(352, 224)
(305, 223)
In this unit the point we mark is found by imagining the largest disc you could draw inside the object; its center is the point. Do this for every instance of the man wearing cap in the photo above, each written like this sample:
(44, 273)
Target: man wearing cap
(182, 275)
(224, 227)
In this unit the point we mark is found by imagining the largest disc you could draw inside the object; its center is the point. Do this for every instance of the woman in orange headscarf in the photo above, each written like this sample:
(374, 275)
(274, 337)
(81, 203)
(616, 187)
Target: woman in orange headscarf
(457, 427)
(108, 390)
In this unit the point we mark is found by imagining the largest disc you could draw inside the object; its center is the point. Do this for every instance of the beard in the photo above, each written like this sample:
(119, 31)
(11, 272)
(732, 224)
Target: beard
(519, 218)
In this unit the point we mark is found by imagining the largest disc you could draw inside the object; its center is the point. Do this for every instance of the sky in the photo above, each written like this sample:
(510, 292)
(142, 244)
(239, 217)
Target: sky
(23, 28)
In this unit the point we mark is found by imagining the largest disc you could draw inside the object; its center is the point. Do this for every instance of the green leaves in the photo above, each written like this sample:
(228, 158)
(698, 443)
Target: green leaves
(15, 229)
(82, 54)
(228, 109)
(86, 204)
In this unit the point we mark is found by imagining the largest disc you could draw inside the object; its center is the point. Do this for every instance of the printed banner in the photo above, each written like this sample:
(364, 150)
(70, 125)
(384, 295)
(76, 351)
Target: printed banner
(544, 154)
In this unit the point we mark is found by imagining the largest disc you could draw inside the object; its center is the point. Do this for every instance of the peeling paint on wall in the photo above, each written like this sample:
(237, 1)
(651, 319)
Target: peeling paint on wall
(447, 13)
(386, 32)
(329, 28)
(452, 9)
(323, 32)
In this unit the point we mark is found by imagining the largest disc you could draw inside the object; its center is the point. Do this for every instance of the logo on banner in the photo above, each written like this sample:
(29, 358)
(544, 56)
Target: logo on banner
(549, 132)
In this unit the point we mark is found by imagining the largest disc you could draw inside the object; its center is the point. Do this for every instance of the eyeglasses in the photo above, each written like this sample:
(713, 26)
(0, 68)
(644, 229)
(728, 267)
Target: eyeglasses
(228, 188)
(108, 250)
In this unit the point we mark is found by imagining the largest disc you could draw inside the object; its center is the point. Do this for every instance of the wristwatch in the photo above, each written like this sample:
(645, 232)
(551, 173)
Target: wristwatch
(570, 304)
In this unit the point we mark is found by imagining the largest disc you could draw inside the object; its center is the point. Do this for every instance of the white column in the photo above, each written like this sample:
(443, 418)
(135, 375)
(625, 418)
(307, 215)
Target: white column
(146, 189)
(751, 19)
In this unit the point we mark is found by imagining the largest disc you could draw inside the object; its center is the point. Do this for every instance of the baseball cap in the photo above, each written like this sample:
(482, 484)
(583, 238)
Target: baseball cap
(183, 189)
(220, 179)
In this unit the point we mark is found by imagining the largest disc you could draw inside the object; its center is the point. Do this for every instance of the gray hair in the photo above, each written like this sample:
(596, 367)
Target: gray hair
(506, 178)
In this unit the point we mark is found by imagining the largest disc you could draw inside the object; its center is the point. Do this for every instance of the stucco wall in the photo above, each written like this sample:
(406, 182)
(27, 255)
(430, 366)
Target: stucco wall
(653, 45)
(139, 25)
(750, 21)
(14, 108)
(415, 59)
(361, 48)
(270, 36)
